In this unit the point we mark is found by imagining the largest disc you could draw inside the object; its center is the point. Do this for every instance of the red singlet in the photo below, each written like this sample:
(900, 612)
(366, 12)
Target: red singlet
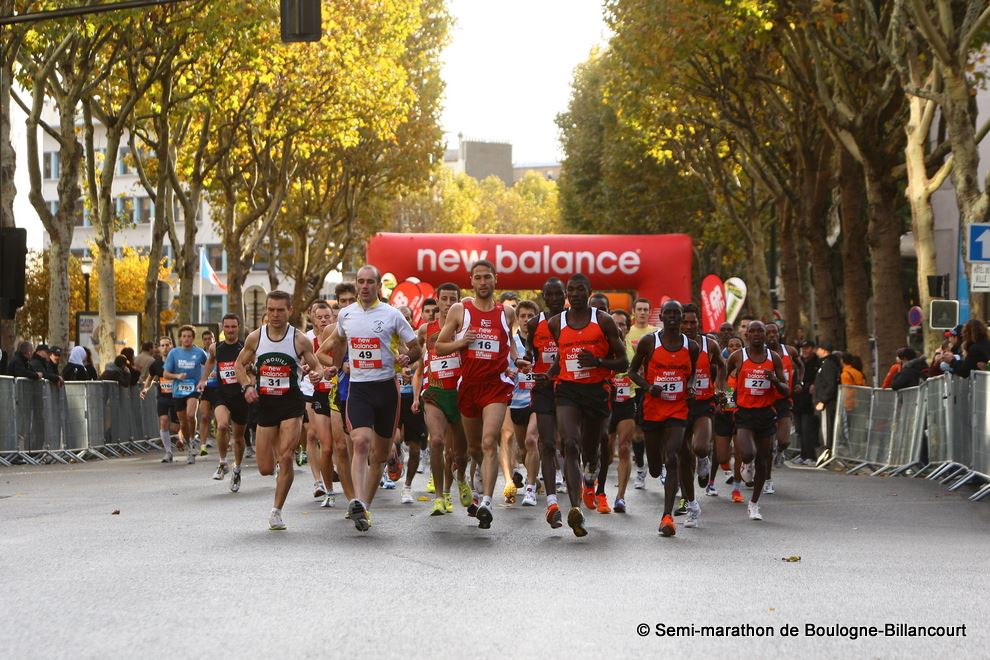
(670, 371)
(573, 342)
(485, 359)
(755, 389)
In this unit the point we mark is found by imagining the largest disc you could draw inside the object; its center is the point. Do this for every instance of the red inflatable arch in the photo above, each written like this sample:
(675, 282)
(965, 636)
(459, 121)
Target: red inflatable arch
(652, 265)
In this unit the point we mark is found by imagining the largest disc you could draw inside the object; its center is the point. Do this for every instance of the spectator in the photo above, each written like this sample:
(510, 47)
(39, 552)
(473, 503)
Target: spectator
(117, 371)
(805, 421)
(20, 363)
(904, 355)
(826, 387)
(55, 355)
(90, 369)
(934, 368)
(41, 362)
(975, 350)
(852, 370)
(912, 372)
(135, 374)
(144, 359)
(76, 368)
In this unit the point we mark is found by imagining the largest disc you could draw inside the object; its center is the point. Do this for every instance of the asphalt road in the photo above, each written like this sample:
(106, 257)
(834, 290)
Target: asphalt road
(188, 569)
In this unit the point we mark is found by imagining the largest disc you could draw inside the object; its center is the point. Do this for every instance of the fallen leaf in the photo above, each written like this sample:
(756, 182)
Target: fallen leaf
(792, 558)
(423, 498)
(116, 512)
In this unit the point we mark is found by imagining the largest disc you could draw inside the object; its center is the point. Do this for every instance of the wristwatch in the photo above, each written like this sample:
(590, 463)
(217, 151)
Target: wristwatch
(244, 388)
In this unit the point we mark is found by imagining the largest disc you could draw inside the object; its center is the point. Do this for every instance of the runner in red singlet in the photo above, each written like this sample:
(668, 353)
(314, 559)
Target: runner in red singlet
(478, 329)
(668, 360)
(760, 378)
(589, 351)
(793, 376)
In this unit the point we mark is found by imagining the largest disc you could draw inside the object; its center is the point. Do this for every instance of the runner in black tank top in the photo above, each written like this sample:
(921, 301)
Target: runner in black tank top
(231, 409)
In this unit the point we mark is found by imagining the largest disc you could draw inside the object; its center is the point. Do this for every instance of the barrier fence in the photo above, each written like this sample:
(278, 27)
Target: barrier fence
(45, 423)
(939, 430)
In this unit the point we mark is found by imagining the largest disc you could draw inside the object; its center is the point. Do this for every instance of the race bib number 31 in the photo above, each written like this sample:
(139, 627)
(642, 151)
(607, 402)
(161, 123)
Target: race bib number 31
(273, 379)
(366, 353)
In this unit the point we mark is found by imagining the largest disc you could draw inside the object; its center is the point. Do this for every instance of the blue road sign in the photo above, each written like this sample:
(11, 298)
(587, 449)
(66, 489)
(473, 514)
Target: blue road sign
(978, 243)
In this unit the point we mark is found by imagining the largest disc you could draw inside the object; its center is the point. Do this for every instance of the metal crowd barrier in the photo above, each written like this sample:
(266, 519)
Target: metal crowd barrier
(45, 423)
(939, 430)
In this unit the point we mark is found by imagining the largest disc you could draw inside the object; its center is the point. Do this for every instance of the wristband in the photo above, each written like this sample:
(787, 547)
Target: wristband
(244, 389)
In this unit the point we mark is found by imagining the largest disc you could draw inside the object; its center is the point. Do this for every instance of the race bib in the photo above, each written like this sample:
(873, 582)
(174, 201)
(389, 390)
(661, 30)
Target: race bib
(184, 389)
(787, 376)
(228, 374)
(575, 369)
(484, 348)
(702, 381)
(526, 381)
(273, 379)
(547, 357)
(623, 389)
(366, 353)
(757, 386)
(444, 367)
(671, 387)
(165, 386)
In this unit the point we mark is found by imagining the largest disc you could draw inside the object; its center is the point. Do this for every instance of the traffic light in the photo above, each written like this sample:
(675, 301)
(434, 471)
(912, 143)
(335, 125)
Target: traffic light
(944, 314)
(302, 20)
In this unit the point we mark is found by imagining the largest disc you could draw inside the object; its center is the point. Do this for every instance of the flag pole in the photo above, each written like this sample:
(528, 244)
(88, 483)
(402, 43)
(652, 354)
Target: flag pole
(200, 310)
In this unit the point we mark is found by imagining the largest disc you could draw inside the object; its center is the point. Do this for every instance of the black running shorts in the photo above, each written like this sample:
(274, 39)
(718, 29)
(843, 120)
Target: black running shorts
(542, 399)
(622, 411)
(520, 416)
(761, 421)
(724, 425)
(232, 399)
(211, 395)
(591, 398)
(413, 424)
(783, 408)
(373, 405)
(273, 410)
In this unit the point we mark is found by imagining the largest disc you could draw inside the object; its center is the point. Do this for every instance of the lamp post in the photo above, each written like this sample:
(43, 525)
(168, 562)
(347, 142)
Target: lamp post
(87, 269)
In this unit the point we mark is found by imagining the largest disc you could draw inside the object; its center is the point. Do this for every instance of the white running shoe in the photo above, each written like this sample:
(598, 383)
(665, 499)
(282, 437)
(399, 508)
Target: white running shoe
(407, 496)
(275, 523)
(529, 499)
(640, 482)
(319, 490)
(711, 490)
(329, 502)
(748, 472)
(219, 474)
(693, 514)
(704, 468)
(235, 481)
(167, 458)
(561, 486)
(768, 488)
(754, 511)
(191, 457)
(424, 460)
(663, 475)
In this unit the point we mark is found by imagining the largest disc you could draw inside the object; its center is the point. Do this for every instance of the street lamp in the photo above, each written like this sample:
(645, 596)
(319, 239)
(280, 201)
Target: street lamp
(87, 269)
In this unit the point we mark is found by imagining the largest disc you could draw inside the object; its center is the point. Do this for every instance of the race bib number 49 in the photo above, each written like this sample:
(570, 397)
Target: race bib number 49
(366, 353)
(273, 379)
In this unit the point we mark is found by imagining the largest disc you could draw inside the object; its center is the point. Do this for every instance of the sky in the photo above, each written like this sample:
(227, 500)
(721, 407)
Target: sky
(508, 70)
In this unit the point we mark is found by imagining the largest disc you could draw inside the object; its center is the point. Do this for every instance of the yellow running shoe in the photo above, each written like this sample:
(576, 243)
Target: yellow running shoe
(464, 493)
(510, 493)
(439, 508)
(448, 502)
(430, 488)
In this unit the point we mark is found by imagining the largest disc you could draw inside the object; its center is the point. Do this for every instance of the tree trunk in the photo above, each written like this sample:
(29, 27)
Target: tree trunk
(236, 275)
(804, 272)
(8, 166)
(187, 261)
(855, 280)
(885, 227)
(300, 292)
(815, 223)
(758, 275)
(106, 335)
(790, 270)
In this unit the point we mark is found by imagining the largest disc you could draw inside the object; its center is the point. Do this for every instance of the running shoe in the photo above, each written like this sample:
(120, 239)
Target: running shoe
(529, 498)
(319, 490)
(485, 517)
(448, 502)
(619, 506)
(667, 526)
(601, 503)
(472, 509)
(167, 458)
(407, 496)
(191, 457)
(588, 495)
(704, 469)
(300, 458)
(561, 488)
(249, 452)
(464, 493)
(387, 482)
(219, 474)
(729, 479)
(748, 473)
(768, 488)
(693, 514)
(430, 488)
(663, 475)
(509, 492)
(330, 501)
(737, 496)
(203, 451)
(639, 483)
(711, 490)
(553, 516)
(275, 523)
(575, 520)
(439, 507)
(479, 484)
(395, 468)
(754, 511)
(358, 515)
(681, 508)
(235, 481)
(424, 460)
(517, 478)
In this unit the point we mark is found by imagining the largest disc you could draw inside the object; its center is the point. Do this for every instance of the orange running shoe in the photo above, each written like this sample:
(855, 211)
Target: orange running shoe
(588, 495)
(667, 526)
(395, 469)
(553, 516)
(602, 502)
(737, 496)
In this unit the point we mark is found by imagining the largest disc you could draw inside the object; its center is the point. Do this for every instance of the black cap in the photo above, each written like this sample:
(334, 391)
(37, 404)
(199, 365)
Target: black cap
(42, 347)
(807, 343)
(826, 345)
(56, 350)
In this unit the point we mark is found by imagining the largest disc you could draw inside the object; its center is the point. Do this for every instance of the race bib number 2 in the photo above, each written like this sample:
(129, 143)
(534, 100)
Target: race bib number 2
(366, 353)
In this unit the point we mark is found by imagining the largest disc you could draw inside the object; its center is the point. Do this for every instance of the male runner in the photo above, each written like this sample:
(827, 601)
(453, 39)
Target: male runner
(429, 311)
(319, 434)
(542, 351)
(166, 407)
(760, 378)
(311, 434)
(793, 376)
(622, 423)
(642, 308)
(208, 398)
(231, 409)
(184, 366)
(669, 362)
(365, 331)
(589, 350)
(478, 329)
(334, 454)
(600, 302)
(724, 428)
(439, 401)
(276, 350)
(412, 426)
(523, 436)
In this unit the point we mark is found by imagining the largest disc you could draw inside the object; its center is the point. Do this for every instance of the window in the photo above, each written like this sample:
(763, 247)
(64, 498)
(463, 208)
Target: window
(50, 164)
(124, 161)
(214, 254)
(80, 253)
(144, 210)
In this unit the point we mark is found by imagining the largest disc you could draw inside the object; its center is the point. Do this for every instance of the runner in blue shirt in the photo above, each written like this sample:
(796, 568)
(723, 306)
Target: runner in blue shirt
(184, 365)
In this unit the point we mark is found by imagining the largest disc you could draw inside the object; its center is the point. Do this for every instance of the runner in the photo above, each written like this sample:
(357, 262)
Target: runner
(793, 375)
(523, 436)
(724, 427)
(184, 366)
(589, 350)
(276, 349)
(709, 381)
(166, 407)
(365, 330)
(759, 371)
(208, 398)
(412, 425)
(642, 309)
(320, 431)
(429, 311)
(606, 449)
(231, 409)
(336, 458)
(669, 362)
(622, 423)
(542, 352)
(448, 446)
(478, 328)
